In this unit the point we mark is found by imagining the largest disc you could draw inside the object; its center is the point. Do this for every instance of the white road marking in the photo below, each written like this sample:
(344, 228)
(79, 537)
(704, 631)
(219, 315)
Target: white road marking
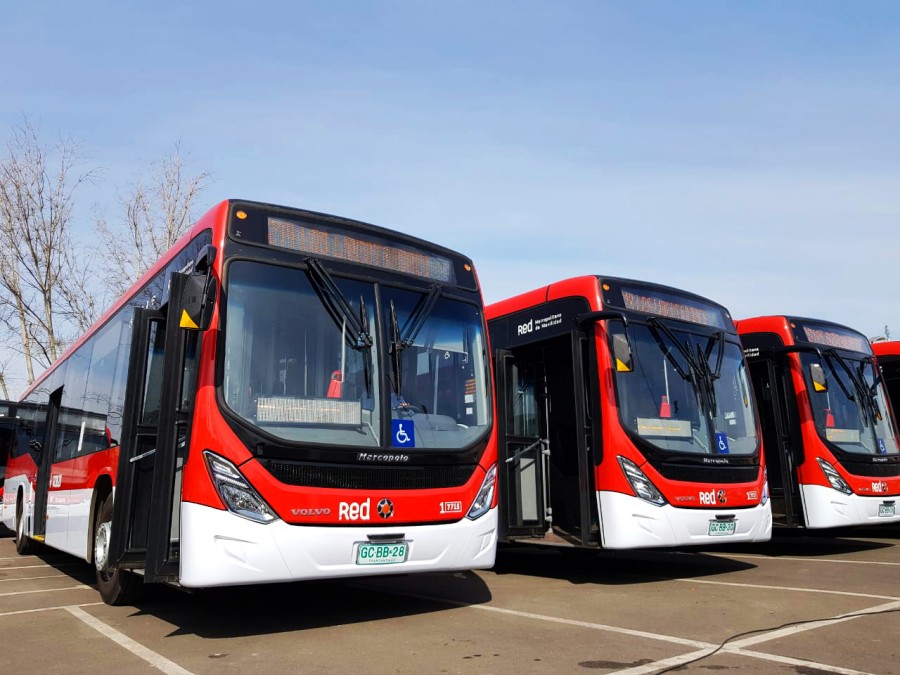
(26, 557)
(46, 609)
(554, 619)
(817, 591)
(812, 625)
(800, 663)
(672, 662)
(47, 590)
(36, 567)
(798, 559)
(737, 646)
(676, 661)
(588, 624)
(46, 576)
(156, 660)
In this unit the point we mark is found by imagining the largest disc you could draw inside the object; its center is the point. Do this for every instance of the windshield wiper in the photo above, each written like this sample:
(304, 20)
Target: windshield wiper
(702, 376)
(656, 323)
(865, 395)
(340, 310)
(358, 338)
(414, 323)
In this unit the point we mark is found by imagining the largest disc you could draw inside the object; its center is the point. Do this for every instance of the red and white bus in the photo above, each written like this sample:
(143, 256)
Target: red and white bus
(888, 356)
(625, 417)
(830, 440)
(285, 395)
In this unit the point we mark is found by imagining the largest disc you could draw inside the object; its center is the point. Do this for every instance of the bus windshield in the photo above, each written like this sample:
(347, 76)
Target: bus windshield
(305, 361)
(684, 392)
(849, 407)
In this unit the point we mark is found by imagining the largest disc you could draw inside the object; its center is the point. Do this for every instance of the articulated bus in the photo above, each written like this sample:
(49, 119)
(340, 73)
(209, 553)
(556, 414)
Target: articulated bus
(285, 395)
(625, 418)
(830, 440)
(888, 356)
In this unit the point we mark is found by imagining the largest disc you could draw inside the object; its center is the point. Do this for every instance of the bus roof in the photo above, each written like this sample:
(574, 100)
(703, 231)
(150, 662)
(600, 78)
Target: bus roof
(590, 287)
(796, 329)
(886, 349)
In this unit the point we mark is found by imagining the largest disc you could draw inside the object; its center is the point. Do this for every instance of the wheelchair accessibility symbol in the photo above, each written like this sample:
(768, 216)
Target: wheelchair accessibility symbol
(722, 443)
(404, 434)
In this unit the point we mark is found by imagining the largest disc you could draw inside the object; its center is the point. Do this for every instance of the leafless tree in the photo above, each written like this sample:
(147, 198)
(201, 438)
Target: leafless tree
(37, 191)
(157, 211)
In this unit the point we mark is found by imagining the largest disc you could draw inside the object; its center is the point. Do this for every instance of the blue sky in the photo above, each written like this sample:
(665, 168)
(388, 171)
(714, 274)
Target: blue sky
(748, 152)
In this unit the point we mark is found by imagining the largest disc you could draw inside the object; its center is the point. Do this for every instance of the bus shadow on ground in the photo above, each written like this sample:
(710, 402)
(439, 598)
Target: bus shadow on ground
(821, 543)
(283, 608)
(612, 568)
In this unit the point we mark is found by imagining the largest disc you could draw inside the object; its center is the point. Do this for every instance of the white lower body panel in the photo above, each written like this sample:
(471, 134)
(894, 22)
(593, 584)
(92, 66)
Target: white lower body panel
(630, 522)
(221, 549)
(825, 507)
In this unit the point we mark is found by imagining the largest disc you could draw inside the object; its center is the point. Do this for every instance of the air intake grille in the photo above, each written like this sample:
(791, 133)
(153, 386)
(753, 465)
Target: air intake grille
(872, 470)
(371, 477)
(708, 474)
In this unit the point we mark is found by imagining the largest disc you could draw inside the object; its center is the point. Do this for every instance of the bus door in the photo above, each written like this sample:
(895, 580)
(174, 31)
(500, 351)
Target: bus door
(161, 379)
(770, 384)
(550, 484)
(43, 452)
(523, 434)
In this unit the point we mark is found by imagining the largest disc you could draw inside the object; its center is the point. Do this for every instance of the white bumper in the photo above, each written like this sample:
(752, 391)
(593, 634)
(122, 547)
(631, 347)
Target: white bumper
(630, 522)
(221, 549)
(825, 507)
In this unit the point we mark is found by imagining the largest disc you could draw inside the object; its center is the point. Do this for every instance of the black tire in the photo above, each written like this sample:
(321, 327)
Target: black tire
(25, 545)
(117, 587)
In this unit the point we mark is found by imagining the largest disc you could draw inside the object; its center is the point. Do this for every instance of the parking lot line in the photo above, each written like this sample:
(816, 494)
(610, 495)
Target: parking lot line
(556, 619)
(46, 576)
(798, 559)
(817, 591)
(683, 659)
(738, 646)
(46, 590)
(46, 609)
(37, 567)
(811, 625)
(155, 659)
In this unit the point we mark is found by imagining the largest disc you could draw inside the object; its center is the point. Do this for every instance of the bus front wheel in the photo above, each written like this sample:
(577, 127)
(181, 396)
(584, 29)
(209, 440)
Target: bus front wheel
(25, 545)
(117, 587)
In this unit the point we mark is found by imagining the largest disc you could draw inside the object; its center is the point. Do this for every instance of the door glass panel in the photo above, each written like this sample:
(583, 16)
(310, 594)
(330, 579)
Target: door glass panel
(153, 374)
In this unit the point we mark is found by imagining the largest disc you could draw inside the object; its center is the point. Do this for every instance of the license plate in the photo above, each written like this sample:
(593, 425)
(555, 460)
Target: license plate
(722, 528)
(886, 511)
(368, 553)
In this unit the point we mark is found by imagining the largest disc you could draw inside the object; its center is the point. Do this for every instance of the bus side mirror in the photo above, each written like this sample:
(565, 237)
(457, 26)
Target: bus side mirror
(197, 301)
(622, 353)
(817, 375)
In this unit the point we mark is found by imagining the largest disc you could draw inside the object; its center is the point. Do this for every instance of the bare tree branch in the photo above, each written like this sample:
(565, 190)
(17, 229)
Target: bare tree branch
(37, 194)
(157, 211)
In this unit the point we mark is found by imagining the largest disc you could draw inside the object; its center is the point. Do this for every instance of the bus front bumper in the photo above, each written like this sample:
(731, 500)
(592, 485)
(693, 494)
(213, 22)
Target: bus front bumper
(630, 522)
(219, 548)
(826, 507)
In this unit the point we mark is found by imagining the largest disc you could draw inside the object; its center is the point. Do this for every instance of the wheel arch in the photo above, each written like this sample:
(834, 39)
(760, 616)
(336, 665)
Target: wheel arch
(103, 490)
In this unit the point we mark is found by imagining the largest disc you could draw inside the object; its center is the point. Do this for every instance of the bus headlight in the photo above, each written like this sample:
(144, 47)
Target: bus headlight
(765, 492)
(485, 496)
(238, 495)
(641, 485)
(834, 477)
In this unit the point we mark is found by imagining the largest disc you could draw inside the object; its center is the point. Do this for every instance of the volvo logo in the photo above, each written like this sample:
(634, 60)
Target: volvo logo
(311, 512)
(721, 496)
(385, 508)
